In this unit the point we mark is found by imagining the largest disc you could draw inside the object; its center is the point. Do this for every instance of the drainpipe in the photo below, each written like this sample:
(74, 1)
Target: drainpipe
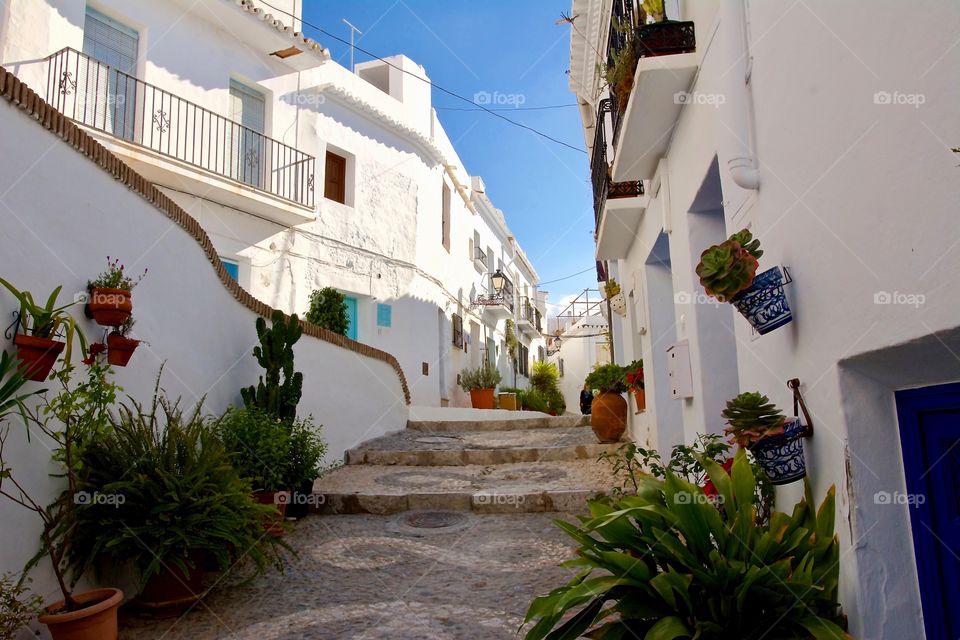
(742, 164)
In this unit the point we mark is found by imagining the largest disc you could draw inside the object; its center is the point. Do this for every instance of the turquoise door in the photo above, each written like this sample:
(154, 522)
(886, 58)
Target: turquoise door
(351, 304)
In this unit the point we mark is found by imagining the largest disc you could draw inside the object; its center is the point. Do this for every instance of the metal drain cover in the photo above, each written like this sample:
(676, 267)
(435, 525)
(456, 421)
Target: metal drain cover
(426, 523)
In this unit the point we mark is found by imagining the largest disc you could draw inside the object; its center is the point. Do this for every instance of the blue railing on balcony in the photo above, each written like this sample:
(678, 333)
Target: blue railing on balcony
(106, 99)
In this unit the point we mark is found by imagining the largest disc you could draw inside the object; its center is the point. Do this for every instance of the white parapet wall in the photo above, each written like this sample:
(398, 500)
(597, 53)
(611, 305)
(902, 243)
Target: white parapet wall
(62, 214)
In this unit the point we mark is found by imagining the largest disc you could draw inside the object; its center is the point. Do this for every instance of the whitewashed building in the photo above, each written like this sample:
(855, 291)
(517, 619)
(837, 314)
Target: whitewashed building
(303, 173)
(826, 129)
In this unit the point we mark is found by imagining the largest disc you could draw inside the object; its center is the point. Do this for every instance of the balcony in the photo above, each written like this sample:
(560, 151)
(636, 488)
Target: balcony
(497, 304)
(161, 134)
(528, 317)
(479, 259)
(646, 106)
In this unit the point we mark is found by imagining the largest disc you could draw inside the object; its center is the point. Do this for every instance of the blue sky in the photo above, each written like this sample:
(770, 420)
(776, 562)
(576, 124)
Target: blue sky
(513, 48)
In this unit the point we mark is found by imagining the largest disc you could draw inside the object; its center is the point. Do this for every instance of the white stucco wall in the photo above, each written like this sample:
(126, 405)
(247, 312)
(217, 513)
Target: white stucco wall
(62, 215)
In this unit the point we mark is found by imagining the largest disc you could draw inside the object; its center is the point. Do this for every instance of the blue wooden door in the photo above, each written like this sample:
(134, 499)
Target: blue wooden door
(930, 434)
(351, 304)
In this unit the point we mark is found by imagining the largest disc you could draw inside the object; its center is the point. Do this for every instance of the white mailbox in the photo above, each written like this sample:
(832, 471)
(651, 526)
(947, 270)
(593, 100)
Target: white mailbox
(678, 368)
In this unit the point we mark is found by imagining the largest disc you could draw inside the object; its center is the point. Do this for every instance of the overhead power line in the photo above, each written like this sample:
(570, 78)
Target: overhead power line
(572, 275)
(550, 106)
(431, 83)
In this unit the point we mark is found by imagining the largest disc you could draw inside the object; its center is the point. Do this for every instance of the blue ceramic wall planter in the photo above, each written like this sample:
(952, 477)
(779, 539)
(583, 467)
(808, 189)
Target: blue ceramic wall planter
(781, 456)
(763, 303)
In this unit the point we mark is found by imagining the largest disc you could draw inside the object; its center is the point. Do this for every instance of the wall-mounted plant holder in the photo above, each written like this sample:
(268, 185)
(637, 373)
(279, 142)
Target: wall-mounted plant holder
(37, 356)
(781, 456)
(764, 303)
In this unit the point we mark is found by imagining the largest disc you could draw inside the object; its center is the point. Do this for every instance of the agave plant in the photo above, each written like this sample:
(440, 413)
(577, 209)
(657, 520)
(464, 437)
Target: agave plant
(667, 564)
(751, 417)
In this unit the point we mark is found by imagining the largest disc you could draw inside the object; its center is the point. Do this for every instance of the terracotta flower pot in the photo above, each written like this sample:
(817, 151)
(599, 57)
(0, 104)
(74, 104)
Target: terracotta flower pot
(640, 396)
(274, 523)
(37, 355)
(508, 401)
(120, 349)
(172, 591)
(482, 398)
(608, 417)
(109, 307)
(96, 621)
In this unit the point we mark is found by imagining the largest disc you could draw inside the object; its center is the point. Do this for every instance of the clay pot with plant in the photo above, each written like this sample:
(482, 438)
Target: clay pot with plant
(608, 416)
(775, 440)
(37, 331)
(120, 346)
(613, 292)
(70, 419)
(110, 300)
(634, 378)
(480, 383)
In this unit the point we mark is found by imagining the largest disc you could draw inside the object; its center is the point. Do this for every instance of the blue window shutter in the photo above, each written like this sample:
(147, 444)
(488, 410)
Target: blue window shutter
(384, 315)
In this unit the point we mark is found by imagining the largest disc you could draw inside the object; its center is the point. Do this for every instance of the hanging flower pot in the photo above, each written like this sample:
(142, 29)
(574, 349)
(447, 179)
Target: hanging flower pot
(764, 303)
(781, 456)
(37, 355)
(109, 307)
(120, 349)
(640, 396)
(618, 304)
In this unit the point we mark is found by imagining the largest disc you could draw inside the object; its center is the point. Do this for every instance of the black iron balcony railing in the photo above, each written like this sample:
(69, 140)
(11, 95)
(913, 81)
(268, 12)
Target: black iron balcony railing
(538, 320)
(530, 313)
(121, 105)
(603, 186)
(504, 297)
(629, 29)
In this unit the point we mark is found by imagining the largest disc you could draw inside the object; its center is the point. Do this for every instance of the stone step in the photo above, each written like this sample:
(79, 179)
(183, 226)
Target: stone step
(416, 448)
(502, 488)
(510, 421)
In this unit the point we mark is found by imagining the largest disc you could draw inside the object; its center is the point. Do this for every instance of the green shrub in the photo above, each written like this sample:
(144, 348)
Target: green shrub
(170, 491)
(307, 450)
(328, 309)
(674, 565)
(18, 607)
(608, 378)
(534, 400)
(545, 376)
(485, 377)
(258, 446)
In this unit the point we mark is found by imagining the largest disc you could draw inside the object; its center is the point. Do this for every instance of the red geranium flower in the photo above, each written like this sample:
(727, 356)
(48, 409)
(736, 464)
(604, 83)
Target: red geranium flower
(96, 348)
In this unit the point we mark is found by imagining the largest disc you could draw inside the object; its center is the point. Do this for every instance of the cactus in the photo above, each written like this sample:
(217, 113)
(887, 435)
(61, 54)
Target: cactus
(280, 392)
(726, 269)
(752, 417)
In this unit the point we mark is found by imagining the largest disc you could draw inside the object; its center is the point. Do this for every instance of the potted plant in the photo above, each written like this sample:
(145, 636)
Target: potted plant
(633, 376)
(728, 272)
(480, 383)
(36, 332)
(71, 419)
(667, 564)
(111, 302)
(662, 36)
(775, 440)
(608, 417)
(184, 506)
(534, 400)
(304, 465)
(618, 302)
(509, 398)
(545, 378)
(258, 446)
(120, 346)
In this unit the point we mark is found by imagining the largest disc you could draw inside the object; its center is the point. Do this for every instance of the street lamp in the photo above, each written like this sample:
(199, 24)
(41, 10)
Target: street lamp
(497, 280)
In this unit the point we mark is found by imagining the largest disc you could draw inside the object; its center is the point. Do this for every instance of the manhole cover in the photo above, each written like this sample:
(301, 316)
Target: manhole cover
(434, 519)
(426, 523)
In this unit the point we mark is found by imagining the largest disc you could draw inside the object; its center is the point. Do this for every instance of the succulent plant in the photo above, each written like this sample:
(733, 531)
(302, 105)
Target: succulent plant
(748, 242)
(726, 269)
(611, 287)
(751, 417)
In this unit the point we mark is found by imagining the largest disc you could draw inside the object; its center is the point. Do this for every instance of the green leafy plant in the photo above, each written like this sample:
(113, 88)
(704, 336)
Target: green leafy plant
(18, 607)
(675, 566)
(534, 400)
(611, 288)
(115, 277)
(279, 393)
(751, 417)
(607, 378)
(728, 268)
(174, 492)
(511, 345)
(484, 377)
(71, 420)
(306, 457)
(11, 382)
(258, 446)
(328, 309)
(45, 321)
(545, 379)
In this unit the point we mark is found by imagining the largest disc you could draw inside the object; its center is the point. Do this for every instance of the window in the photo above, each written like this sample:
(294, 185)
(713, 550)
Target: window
(384, 315)
(561, 367)
(445, 218)
(115, 45)
(232, 267)
(523, 360)
(248, 111)
(335, 178)
(490, 259)
(458, 331)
